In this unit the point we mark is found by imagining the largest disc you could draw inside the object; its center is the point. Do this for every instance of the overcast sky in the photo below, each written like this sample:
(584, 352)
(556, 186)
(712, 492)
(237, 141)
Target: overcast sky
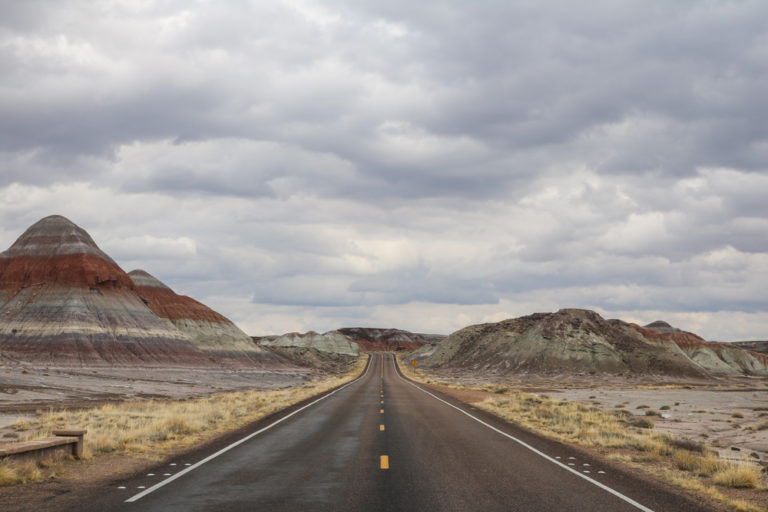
(306, 165)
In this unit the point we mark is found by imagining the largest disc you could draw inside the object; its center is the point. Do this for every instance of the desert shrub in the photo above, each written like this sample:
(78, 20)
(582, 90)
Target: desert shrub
(643, 406)
(665, 407)
(687, 444)
(701, 465)
(737, 414)
(651, 412)
(737, 475)
(641, 423)
(762, 426)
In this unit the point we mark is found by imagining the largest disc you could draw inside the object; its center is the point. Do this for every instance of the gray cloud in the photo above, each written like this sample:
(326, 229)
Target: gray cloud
(302, 163)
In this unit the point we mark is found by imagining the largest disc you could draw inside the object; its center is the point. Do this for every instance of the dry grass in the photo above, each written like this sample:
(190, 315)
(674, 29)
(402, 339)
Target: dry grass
(12, 473)
(153, 429)
(737, 475)
(682, 462)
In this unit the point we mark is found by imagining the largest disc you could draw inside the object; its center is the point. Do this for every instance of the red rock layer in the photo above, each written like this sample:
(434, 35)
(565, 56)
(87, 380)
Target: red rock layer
(63, 301)
(208, 330)
(166, 303)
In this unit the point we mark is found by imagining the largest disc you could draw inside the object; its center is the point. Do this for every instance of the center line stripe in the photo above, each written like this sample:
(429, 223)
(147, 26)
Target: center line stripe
(241, 441)
(385, 462)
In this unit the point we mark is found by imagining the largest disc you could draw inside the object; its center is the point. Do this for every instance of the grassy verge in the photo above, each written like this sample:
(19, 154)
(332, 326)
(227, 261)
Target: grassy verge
(620, 437)
(153, 429)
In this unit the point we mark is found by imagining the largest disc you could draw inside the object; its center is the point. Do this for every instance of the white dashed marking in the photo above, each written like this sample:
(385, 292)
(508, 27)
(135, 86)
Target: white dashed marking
(557, 458)
(571, 464)
(187, 464)
(571, 458)
(150, 474)
(586, 471)
(601, 472)
(121, 487)
(173, 463)
(585, 464)
(166, 474)
(141, 487)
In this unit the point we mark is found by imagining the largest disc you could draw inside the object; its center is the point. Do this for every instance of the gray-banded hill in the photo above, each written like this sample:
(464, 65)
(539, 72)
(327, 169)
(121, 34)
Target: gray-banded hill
(581, 341)
(381, 339)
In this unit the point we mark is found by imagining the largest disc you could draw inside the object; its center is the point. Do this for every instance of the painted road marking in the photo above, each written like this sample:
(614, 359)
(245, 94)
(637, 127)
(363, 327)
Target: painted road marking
(382, 401)
(385, 462)
(381, 411)
(526, 445)
(241, 441)
(381, 428)
(121, 487)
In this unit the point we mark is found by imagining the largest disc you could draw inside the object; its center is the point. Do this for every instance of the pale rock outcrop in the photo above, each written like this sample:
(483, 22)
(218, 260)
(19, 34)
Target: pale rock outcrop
(332, 342)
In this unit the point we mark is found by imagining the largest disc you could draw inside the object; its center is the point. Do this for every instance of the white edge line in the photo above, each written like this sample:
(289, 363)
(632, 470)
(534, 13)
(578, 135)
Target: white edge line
(526, 445)
(246, 438)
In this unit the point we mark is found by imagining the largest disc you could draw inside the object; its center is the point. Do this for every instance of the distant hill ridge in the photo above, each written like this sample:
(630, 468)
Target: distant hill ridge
(581, 341)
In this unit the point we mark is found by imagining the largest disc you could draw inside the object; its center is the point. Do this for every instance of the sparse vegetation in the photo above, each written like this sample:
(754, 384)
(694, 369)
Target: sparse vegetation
(737, 414)
(629, 439)
(151, 429)
(737, 475)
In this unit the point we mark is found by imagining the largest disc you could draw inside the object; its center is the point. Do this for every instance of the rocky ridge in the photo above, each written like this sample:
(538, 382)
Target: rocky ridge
(331, 342)
(379, 339)
(712, 356)
(580, 341)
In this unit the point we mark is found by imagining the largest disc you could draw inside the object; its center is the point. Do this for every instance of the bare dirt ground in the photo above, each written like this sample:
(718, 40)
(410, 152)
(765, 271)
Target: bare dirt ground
(731, 420)
(24, 390)
(729, 415)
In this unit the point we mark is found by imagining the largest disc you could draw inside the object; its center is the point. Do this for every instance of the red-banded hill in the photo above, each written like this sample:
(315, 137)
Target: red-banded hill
(64, 301)
(208, 330)
(714, 357)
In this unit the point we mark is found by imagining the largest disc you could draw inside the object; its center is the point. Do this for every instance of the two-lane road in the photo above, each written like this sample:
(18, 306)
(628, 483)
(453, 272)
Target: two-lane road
(384, 443)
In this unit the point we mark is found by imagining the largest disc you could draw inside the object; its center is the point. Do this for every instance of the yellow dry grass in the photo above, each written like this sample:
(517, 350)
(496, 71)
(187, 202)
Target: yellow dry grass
(153, 429)
(586, 425)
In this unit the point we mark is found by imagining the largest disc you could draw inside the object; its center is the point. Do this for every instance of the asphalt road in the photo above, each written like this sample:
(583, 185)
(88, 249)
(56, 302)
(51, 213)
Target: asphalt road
(385, 444)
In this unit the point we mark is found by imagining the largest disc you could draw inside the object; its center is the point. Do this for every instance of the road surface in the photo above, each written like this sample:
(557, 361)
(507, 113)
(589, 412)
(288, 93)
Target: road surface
(383, 443)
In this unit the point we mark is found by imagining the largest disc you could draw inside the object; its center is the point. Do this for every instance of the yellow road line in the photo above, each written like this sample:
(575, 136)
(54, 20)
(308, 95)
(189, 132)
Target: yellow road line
(385, 462)
(381, 428)
(382, 401)
(381, 411)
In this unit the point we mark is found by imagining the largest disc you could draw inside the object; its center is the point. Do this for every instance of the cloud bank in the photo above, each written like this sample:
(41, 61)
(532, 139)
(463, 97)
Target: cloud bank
(305, 165)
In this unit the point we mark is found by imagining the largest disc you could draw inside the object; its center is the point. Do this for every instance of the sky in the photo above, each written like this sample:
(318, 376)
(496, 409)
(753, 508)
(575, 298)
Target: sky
(303, 165)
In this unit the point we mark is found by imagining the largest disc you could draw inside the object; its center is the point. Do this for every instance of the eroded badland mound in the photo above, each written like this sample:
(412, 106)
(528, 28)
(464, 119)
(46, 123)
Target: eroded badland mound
(332, 342)
(714, 357)
(576, 341)
(376, 339)
(208, 330)
(64, 301)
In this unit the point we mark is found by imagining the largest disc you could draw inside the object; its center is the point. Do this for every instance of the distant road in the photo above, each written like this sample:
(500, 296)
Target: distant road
(383, 443)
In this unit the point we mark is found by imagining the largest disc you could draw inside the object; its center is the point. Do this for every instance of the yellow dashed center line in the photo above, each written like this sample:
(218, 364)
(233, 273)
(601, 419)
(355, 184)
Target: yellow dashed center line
(381, 411)
(381, 428)
(382, 401)
(385, 462)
